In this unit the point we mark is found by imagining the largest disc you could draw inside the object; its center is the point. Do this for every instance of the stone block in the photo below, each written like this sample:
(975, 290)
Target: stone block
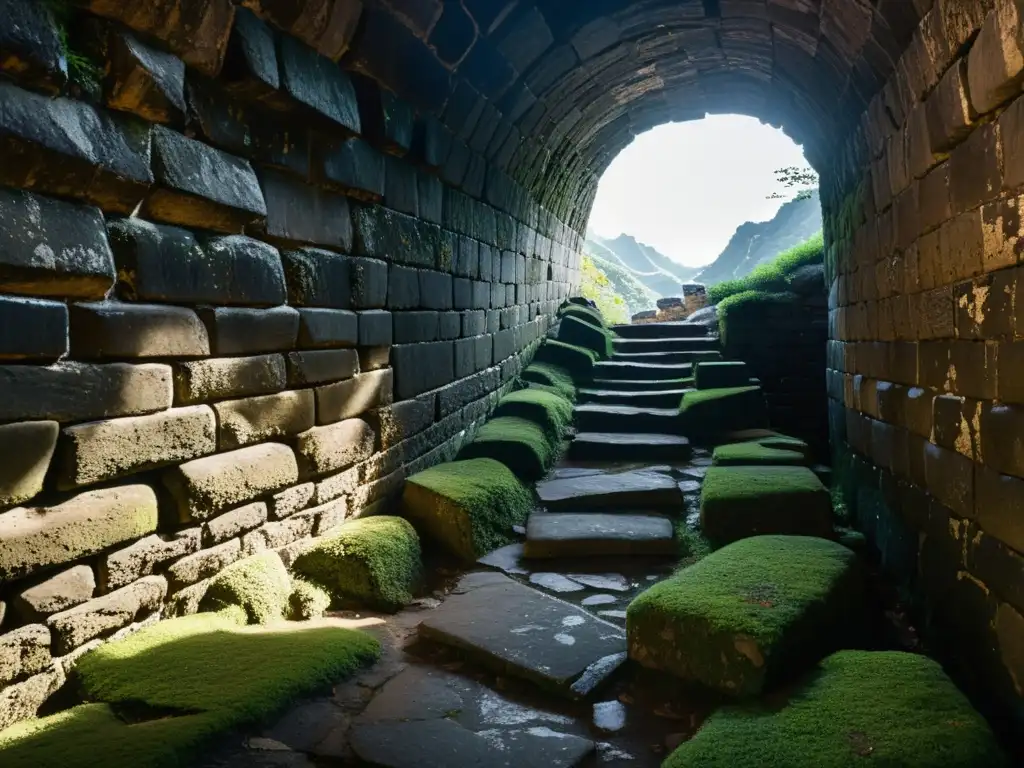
(196, 30)
(344, 483)
(167, 264)
(58, 593)
(141, 79)
(411, 327)
(400, 191)
(104, 615)
(214, 379)
(1011, 134)
(327, 328)
(24, 652)
(228, 525)
(348, 399)
(321, 366)
(462, 293)
(144, 556)
(375, 328)
(65, 252)
(203, 487)
(335, 447)
(449, 325)
(32, 329)
(435, 290)
(422, 367)
(975, 172)
(37, 538)
(369, 282)
(948, 110)
(31, 44)
(350, 165)
(995, 65)
(482, 295)
(104, 450)
(291, 500)
(997, 503)
(316, 82)
(203, 564)
(41, 140)
(950, 478)
(25, 452)
(327, 26)
(300, 213)
(104, 330)
(395, 237)
(224, 198)
(474, 323)
(405, 419)
(318, 278)
(403, 288)
(23, 700)
(374, 358)
(255, 419)
(239, 331)
(75, 392)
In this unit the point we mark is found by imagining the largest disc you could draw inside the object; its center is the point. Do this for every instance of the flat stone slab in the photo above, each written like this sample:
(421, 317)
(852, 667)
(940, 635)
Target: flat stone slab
(520, 631)
(665, 345)
(556, 582)
(642, 384)
(659, 398)
(611, 369)
(629, 419)
(634, 446)
(593, 535)
(667, 357)
(611, 491)
(505, 559)
(676, 330)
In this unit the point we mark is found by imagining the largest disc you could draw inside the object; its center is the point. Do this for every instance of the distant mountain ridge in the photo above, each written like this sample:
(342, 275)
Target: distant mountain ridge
(757, 242)
(654, 270)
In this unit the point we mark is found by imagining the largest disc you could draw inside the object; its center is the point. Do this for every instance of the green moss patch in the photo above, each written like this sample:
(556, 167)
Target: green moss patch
(769, 439)
(307, 600)
(721, 374)
(551, 411)
(578, 361)
(583, 312)
(858, 708)
(469, 507)
(736, 502)
(373, 562)
(260, 585)
(573, 330)
(711, 412)
(753, 613)
(552, 377)
(774, 275)
(521, 445)
(756, 454)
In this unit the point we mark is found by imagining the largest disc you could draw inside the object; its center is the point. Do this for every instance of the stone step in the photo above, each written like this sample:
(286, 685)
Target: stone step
(659, 398)
(641, 384)
(667, 345)
(624, 418)
(520, 631)
(563, 534)
(612, 369)
(668, 358)
(632, 446)
(661, 330)
(612, 491)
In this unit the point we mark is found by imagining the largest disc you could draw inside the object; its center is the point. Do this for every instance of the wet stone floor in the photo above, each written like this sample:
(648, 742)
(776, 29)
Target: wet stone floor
(477, 693)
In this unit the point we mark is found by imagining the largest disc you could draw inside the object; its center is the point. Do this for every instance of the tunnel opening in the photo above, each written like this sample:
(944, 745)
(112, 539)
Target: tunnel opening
(264, 263)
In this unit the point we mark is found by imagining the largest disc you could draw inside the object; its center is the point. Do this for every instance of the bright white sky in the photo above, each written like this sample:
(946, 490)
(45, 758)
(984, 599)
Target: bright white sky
(684, 188)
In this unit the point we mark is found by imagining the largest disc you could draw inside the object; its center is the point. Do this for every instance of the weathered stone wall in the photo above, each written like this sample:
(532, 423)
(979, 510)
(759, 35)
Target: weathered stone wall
(244, 291)
(923, 227)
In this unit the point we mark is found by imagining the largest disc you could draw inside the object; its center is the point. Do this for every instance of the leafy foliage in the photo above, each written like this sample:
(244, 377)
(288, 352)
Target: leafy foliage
(595, 285)
(796, 177)
(773, 276)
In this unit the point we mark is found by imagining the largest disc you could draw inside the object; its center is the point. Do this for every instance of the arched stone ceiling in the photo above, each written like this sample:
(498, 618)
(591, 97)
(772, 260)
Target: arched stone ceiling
(569, 83)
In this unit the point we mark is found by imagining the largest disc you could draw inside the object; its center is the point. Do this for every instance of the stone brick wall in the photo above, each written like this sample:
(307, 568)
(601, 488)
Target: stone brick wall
(925, 364)
(245, 290)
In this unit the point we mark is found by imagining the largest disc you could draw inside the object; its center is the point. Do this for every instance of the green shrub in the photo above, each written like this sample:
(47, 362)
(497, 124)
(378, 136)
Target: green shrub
(750, 614)
(546, 408)
(521, 445)
(858, 708)
(773, 276)
(573, 330)
(260, 585)
(307, 600)
(467, 506)
(554, 377)
(372, 562)
(578, 361)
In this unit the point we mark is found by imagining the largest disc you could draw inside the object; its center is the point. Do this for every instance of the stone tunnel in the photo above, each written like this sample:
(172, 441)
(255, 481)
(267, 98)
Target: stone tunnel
(225, 224)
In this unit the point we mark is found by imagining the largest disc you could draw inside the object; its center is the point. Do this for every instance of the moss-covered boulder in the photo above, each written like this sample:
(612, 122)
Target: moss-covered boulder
(553, 378)
(584, 312)
(521, 445)
(756, 454)
(858, 708)
(260, 585)
(573, 330)
(373, 562)
(551, 411)
(753, 613)
(578, 361)
(721, 374)
(469, 507)
(737, 502)
(712, 412)
(307, 600)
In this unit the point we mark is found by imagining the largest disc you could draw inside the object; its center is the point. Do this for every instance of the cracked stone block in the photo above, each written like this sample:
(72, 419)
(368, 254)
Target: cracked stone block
(41, 141)
(36, 538)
